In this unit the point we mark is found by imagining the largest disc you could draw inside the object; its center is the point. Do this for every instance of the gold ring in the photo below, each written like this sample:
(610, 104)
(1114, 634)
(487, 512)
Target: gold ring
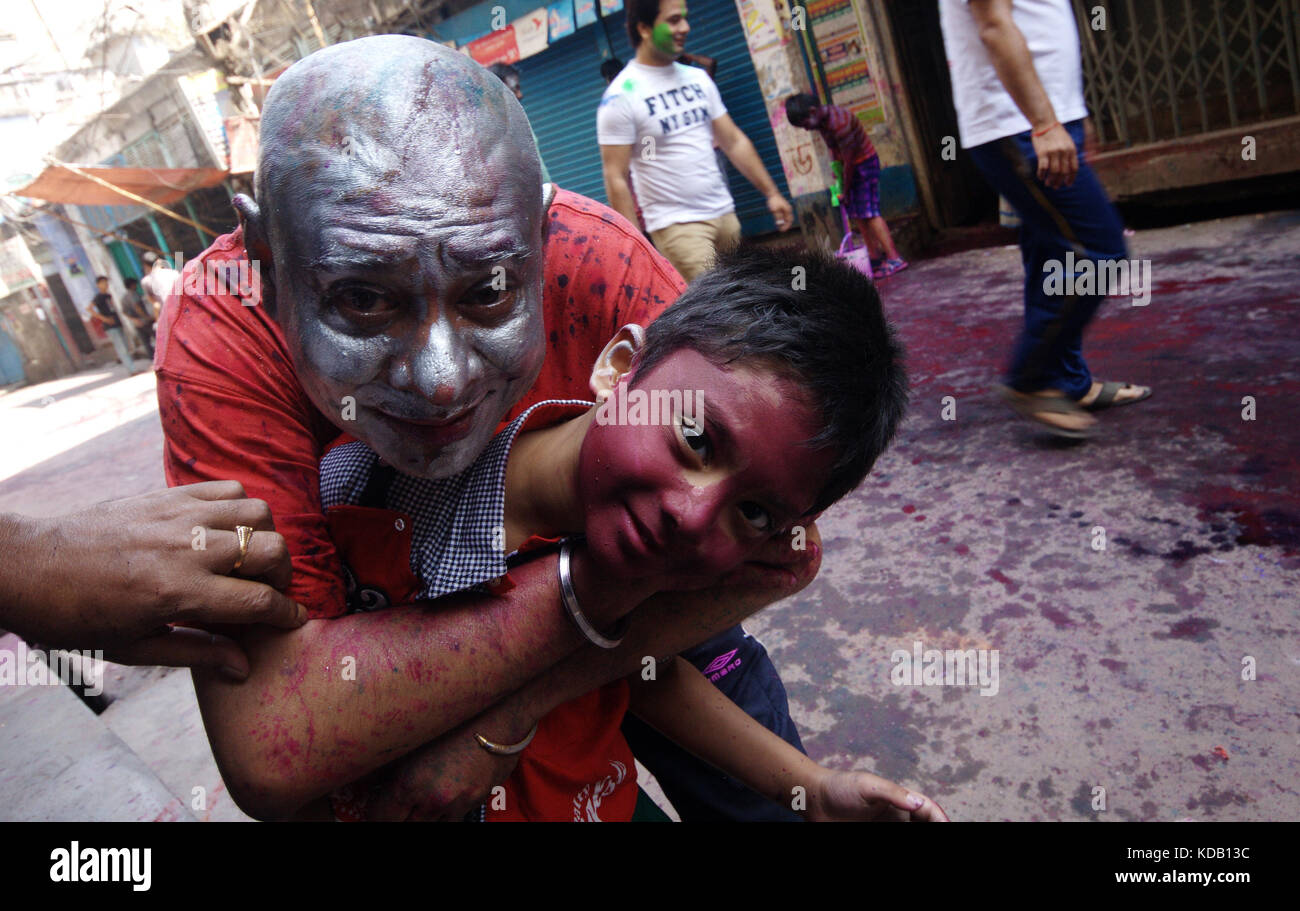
(245, 534)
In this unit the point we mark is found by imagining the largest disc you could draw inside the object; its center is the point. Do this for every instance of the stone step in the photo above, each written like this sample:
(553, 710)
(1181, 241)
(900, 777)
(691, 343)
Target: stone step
(59, 762)
(161, 723)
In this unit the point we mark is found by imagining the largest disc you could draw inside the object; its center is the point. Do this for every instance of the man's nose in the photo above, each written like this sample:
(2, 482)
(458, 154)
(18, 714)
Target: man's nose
(441, 363)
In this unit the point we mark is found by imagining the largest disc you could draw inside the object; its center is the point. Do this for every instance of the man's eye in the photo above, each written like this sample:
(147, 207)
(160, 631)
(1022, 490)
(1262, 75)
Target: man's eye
(696, 438)
(757, 516)
(490, 294)
(363, 302)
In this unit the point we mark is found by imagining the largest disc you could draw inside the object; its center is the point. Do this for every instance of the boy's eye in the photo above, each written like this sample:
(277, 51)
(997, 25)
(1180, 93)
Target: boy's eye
(758, 517)
(696, 438)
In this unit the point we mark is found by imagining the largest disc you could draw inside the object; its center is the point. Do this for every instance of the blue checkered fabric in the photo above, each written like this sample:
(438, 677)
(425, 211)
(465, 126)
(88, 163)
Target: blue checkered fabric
(458, 522)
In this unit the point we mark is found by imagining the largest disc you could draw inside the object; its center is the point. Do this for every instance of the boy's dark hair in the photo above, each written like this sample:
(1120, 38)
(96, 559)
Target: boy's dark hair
(640, 12)
(798, 107)
(100, 278)
(611, 68)
(504, 72)
(822, 328)
(131, 283)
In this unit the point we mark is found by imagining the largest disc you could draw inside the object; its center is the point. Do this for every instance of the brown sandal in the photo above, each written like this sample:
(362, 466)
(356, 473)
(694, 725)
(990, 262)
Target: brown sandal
(1030, 406)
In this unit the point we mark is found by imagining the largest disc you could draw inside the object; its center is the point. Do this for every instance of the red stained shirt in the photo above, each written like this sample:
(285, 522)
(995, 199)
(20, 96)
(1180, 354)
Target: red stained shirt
(844, 135)
(232, 408)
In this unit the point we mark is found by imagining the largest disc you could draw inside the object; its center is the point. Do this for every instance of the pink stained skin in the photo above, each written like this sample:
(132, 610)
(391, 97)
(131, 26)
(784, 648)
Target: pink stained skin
(687, 513)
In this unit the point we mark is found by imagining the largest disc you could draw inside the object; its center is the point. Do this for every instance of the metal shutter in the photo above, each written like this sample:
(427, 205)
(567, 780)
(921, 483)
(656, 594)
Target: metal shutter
(562, 88)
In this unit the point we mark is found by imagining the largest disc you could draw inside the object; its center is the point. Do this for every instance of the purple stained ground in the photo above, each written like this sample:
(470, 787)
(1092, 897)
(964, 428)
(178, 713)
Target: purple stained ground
(1119, 668)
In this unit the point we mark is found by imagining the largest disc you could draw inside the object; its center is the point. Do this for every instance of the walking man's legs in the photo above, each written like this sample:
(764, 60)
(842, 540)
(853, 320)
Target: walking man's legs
(1077, 219)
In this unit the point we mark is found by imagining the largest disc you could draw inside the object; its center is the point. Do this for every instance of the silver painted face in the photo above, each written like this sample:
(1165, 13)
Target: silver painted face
(413, 306)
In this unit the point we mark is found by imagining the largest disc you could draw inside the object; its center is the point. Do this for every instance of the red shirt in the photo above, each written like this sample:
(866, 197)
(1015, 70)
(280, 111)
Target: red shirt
(232, 408)
(578, 767)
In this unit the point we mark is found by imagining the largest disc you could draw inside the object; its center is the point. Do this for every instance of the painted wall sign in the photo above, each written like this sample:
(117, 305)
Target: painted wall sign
(584, 12)
(768, 38)
(842, 50)
(610, 7)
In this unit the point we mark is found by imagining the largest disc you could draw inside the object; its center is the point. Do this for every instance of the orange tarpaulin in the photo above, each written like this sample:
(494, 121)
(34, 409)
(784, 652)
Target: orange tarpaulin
(158, 185)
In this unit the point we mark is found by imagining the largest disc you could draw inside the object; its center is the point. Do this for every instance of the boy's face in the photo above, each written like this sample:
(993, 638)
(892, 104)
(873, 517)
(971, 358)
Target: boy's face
(687, 497)
(102, 284)
(814, 119)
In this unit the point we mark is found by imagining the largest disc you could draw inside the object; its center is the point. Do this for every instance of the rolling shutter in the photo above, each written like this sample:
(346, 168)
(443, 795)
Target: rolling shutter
(562, 89)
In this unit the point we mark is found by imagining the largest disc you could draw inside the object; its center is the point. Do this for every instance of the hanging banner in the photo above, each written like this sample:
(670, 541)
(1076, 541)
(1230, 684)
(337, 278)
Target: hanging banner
(584, 12)
(495, 47)
(844, 58)
(530, 33)
(560, 19)
(610, 7)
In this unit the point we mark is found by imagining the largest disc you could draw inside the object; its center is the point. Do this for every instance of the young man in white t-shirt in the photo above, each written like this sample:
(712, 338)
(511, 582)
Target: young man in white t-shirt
(660, 118)
(1017, 85)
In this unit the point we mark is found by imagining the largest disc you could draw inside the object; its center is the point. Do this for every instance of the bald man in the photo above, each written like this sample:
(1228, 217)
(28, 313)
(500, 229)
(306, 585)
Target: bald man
(418, 287)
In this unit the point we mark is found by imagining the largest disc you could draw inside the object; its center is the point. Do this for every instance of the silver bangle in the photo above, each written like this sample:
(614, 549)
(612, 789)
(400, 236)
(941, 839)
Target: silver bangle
(505, 749)
(570, 599)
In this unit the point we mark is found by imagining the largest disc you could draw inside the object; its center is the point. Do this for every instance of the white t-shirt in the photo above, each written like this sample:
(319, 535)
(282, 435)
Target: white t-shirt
(985, 110)
(666, 114)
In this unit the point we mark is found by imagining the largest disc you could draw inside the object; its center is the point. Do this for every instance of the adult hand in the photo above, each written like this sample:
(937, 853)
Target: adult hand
(1058, 158)
(781, 211)
(114, 576)
(863, 797)
(440, 782)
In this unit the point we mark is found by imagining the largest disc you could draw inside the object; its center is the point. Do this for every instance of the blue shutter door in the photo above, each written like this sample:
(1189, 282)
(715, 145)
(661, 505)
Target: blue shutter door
(562, 89)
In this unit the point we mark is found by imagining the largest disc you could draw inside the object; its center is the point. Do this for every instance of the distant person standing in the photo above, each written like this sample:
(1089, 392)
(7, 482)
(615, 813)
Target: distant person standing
(105, 314)
(1017, 85)
(860, 167)
(510, 76)
(159, 282)
(659, 119)
(137, 311)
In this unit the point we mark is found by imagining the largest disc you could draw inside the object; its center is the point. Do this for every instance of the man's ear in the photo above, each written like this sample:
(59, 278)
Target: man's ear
(616, 360)
(257, 246)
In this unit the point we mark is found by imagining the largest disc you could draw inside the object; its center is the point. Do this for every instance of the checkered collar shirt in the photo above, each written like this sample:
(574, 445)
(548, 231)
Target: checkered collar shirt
(458, 534)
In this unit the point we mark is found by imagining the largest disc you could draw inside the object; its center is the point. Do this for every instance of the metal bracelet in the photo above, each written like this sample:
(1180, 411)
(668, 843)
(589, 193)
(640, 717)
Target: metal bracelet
(570, 599)
(505, 749)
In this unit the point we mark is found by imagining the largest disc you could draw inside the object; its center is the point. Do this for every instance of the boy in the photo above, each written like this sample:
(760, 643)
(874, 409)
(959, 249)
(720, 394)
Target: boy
(105, 314)
(860, 164)
(138, 313)
(804, 389)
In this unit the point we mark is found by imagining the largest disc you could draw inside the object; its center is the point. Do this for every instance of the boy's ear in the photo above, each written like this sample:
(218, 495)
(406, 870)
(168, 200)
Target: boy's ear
(616, 360)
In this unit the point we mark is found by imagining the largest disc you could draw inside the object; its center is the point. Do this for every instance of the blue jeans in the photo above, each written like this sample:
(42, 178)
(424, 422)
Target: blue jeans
(739, 666)
(1078, 218)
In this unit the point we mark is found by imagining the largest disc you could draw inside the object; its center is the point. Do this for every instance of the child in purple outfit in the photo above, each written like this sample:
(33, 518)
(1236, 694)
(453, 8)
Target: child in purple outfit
(851, 146)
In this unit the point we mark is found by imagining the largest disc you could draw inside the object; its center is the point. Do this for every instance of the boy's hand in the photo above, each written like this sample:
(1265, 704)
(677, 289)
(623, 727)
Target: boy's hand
(863, 797)
(440, 782)
(787, 562)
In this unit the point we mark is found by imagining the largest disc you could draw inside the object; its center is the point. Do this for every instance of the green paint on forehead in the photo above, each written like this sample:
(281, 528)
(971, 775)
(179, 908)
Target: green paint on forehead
(662, 36)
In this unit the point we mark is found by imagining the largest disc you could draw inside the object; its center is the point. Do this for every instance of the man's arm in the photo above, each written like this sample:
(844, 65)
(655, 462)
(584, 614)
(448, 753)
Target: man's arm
(614, 163)
(337, 699)
(741, 152)
(1058, 159)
